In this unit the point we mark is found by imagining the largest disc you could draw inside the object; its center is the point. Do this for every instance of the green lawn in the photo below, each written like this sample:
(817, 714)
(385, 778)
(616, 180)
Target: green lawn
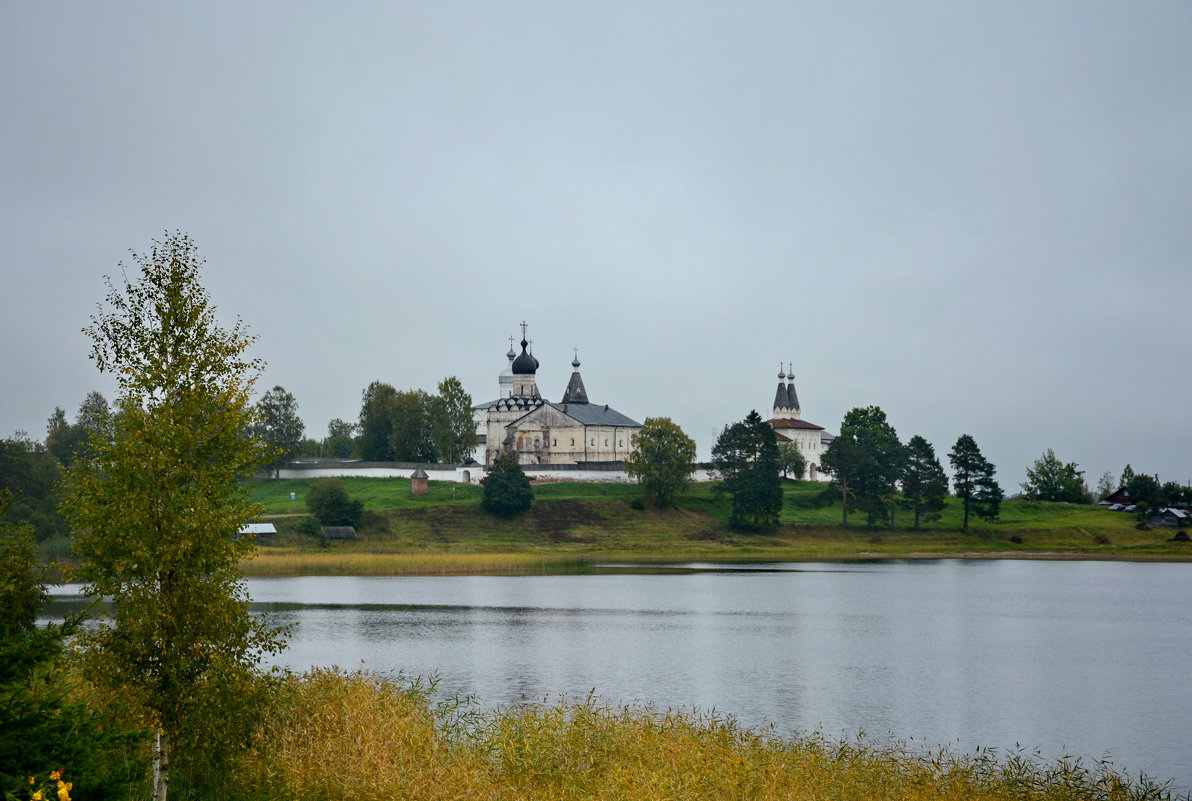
(583, 518)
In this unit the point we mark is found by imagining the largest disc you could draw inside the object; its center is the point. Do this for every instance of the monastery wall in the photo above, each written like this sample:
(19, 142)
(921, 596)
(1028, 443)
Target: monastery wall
(463, 474)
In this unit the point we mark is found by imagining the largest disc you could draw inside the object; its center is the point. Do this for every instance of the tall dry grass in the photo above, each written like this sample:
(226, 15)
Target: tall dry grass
(343, 735)
(338, 563)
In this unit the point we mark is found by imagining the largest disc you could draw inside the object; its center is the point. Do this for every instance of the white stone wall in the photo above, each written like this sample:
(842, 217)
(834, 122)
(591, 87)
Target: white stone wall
(458, 473)
(465, 474)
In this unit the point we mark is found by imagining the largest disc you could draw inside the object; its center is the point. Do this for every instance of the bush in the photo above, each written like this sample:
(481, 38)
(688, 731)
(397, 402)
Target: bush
(507, 490)
(42, 727)
(328, 500)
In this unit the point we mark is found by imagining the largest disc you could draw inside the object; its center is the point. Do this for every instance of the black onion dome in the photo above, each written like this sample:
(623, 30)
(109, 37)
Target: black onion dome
(525, 364)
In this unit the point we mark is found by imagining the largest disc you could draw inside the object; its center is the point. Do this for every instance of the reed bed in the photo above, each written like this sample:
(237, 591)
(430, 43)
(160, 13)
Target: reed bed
(339, 563)
(342, 735)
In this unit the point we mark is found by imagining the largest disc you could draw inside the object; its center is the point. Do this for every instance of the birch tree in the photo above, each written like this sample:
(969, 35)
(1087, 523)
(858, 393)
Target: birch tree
(157, 508)
(662, 460)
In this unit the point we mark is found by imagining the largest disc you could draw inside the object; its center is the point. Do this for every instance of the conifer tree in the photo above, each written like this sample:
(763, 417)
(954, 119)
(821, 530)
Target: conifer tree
(865, 462)
(924, 483)
(746, 458)
(973, 480)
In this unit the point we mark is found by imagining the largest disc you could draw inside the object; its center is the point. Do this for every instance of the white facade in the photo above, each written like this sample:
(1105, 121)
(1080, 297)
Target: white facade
(788, 423)
(540, 432)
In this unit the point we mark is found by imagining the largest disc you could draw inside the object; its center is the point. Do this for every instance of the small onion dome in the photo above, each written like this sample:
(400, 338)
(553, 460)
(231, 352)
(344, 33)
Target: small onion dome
(525, 364)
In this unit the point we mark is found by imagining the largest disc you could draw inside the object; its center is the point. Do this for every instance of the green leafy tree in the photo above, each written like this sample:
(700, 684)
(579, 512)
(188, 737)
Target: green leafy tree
(924, 483)
(411, 437)
(745, 457)
(453, 427)
(507, 490)
(157, 509)
(843, 459)
(279, 427)
(60, 436)
(330, 502)
(1144, 492)
(93, 421)
(1049, 479)
(31, 474)
(1175, 492)
(1105, 486)
(40, 725)
(340, 442)
(94, 418)
(791, 460)
(865, 462)
(309, 447)
(662, 460)
(376, 422)
(972, 478)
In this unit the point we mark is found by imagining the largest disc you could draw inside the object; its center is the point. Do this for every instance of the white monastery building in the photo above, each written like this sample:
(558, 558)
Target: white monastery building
(536, 431)
(788, 423)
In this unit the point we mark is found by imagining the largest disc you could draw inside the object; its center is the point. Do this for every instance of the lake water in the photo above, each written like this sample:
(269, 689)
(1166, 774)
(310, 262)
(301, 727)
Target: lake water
(1087, 658)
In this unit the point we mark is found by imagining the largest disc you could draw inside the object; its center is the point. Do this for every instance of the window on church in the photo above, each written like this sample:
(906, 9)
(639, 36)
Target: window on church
(573, 442)
(593, 443)
(554, 442)
(606, 443)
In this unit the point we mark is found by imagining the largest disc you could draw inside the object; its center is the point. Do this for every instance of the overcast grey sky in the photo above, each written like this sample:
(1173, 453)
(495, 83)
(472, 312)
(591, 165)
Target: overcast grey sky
(976, 216)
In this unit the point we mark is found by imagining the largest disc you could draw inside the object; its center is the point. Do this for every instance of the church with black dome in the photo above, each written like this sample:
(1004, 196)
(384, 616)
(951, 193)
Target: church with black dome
(573, 431)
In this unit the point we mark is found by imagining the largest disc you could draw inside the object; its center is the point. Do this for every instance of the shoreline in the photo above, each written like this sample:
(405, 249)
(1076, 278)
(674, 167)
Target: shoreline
(510, 563)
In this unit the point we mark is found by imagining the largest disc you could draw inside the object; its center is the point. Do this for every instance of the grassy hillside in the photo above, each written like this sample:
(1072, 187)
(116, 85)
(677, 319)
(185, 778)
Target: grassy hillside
(446, 531)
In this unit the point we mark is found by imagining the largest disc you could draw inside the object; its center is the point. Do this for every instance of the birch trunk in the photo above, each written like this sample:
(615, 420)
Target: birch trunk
(161, 765)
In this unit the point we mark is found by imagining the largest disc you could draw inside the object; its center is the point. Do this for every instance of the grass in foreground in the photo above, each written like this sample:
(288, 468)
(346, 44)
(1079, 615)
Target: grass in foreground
(347, 735)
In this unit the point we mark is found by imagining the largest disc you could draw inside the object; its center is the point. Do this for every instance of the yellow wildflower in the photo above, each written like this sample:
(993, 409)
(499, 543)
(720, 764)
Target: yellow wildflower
(56, 775)
(36, 796)
(64, 790)
(31, 780)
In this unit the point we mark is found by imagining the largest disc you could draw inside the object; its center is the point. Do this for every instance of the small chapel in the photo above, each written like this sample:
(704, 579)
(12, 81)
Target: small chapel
(573, 431)
(787, 421)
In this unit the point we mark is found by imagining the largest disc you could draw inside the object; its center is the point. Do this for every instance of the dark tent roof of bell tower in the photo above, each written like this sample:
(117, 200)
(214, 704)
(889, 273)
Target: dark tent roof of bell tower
(575, 392)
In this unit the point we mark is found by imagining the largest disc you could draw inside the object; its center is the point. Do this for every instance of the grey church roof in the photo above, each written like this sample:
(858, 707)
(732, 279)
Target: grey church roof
(575, 392)
(592, 414)
(781, 397)
(792, 398)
